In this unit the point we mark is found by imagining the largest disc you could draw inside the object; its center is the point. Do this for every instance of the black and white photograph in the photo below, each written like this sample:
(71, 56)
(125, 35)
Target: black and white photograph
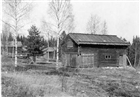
(70, 48)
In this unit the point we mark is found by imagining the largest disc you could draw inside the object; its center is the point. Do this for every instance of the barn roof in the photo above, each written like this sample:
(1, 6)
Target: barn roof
(97, 39)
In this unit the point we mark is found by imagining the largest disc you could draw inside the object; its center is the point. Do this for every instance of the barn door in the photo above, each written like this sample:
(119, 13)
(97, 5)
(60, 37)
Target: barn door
(87, 60)
(120, 60)
(69, 60)
(73, 60)
(66, 59)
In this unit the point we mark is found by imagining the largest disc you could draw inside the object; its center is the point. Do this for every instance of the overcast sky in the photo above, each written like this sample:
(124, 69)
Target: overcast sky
(122, 17)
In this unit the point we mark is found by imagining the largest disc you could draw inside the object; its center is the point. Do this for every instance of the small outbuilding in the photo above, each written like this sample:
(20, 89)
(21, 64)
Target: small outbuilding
(11, 47)
(93, 50)
(50, 53)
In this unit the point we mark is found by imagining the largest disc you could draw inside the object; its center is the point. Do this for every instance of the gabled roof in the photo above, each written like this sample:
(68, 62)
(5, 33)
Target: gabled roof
(96, 39)
(50, 49)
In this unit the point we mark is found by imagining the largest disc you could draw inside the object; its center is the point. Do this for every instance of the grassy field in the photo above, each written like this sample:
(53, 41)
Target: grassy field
(42, 80)
(112, 82)
(29, 81)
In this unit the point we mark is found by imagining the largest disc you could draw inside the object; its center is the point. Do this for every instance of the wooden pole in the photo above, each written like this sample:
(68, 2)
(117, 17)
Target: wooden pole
(48, 48)
(15, 52)
(129, 61)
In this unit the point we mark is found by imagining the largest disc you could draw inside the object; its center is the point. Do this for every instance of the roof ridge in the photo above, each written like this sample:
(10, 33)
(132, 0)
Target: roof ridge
(100, 42)
(92, 34)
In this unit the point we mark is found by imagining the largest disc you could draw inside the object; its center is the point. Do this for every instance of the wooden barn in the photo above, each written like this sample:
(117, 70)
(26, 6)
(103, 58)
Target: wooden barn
(92, 50)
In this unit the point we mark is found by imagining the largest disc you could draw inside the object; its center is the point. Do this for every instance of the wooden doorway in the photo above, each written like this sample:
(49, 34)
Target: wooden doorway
(73, 60)
(69, 60)
(121, 60)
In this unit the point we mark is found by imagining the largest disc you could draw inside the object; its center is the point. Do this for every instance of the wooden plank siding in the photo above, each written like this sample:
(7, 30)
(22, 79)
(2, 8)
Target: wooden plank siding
(69, 60)
(93, 57)
(100, 53)
(86, 61)
(107, 57)
(92, 51)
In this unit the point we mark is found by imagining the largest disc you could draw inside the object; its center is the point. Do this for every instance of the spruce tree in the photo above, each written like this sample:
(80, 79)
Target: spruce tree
(34, 43)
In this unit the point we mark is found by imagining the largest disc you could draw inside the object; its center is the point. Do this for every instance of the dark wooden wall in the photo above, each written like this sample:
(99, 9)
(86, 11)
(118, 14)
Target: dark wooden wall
(78, 55)
(69, 60)
(69, 54)
(66, 49)
(101, 52)
(104, 61)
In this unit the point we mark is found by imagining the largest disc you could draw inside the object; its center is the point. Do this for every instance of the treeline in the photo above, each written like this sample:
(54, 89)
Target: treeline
(133, 52)
(5, 38)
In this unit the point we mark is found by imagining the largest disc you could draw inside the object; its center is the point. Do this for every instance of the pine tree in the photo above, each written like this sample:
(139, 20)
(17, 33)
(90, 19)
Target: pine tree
(34, 43)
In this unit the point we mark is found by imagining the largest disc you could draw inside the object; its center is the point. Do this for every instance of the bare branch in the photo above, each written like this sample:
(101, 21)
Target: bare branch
(25, 9)
(10, 15)
(17, 12)
(93, 24)
(104, 28)
(12, 26)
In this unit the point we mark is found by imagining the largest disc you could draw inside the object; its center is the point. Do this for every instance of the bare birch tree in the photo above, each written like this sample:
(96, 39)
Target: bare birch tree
(93, 24)
(104, 28)
(61, 14)
(46, 30)
(16, 10)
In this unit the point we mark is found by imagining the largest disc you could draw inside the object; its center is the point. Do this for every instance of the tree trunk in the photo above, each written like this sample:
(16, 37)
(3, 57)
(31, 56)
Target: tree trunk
(57, 53)
(16, 31)
(12, 53)
(48, 48)
(15, 52)
(7, 46)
